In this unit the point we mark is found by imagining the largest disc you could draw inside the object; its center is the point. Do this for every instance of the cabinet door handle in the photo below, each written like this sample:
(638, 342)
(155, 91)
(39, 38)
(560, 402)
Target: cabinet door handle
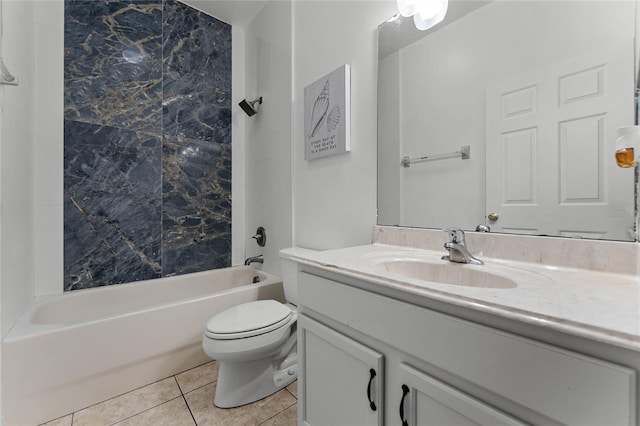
(371, 403)
(405, 392)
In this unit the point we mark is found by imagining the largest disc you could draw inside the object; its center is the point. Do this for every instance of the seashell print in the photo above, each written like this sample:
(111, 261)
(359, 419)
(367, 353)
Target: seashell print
(333, 119)
(319, 112)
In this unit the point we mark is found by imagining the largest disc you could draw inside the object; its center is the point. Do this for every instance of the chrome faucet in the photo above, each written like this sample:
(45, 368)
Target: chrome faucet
(457, 248)
(254, 259)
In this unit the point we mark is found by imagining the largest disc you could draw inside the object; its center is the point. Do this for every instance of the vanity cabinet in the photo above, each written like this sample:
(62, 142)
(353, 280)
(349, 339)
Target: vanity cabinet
(434, 368)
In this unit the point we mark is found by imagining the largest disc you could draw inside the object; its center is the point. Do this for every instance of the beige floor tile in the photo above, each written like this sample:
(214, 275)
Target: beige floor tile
(293, 388)
(288, 417)
(172, 413)
(62, 421)
(127, 405)
(198, 376)
(200, 402)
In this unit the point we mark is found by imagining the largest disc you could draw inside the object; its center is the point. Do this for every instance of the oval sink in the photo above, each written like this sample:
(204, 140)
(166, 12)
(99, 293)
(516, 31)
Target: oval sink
(447, 273)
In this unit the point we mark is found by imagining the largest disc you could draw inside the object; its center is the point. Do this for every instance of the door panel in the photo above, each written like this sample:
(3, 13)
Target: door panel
(430, 402)
(337, 378)
(551, 137)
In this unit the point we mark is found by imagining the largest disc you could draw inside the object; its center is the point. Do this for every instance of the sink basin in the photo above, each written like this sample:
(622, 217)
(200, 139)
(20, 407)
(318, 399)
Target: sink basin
(446, 273)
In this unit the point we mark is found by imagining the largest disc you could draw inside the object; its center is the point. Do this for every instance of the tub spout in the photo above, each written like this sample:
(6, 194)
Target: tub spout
(254, 259)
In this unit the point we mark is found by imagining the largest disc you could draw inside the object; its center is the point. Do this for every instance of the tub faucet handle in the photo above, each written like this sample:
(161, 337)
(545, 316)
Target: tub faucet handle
(260, 237)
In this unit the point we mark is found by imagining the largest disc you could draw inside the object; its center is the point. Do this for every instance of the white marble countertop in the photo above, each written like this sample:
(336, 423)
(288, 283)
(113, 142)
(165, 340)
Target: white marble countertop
(600, 306)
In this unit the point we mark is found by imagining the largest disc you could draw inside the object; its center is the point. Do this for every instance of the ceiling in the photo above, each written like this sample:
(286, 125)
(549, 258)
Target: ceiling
(234, 12)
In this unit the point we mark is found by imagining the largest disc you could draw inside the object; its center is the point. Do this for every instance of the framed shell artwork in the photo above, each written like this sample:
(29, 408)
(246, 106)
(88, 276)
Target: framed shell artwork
(327, 114)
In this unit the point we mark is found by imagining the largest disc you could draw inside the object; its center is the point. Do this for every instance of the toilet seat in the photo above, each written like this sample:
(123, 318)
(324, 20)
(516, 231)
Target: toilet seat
(248, 320)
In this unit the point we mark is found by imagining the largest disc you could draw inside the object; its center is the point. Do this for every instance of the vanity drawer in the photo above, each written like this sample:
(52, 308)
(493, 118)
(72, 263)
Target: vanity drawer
(564, 386)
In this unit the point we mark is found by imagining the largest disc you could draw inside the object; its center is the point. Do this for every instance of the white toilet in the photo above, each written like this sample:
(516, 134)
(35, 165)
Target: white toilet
(255, 345)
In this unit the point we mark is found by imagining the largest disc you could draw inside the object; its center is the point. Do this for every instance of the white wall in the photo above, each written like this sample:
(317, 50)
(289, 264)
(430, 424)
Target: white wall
(238, 202)
(335, 197)
(17, 139)
(16, 165)
(268, 164)
(48, 158)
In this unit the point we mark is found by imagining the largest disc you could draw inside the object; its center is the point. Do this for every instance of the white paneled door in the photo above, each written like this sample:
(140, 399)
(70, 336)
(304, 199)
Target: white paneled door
(551, 135)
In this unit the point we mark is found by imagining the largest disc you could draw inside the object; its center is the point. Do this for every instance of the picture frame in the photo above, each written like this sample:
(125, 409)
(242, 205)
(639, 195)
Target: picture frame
(327, 114)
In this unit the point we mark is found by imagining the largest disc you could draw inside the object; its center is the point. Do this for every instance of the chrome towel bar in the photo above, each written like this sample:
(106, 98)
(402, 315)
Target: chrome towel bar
(464, 153)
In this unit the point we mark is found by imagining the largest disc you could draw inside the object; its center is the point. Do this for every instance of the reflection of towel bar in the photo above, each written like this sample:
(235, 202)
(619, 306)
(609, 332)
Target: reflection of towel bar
(464, 153)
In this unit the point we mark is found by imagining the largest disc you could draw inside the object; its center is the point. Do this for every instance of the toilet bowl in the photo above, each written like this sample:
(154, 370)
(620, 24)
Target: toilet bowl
(255, 345)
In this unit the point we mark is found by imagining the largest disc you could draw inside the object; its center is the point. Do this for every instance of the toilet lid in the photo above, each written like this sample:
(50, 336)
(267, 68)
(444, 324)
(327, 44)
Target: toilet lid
(248, 319)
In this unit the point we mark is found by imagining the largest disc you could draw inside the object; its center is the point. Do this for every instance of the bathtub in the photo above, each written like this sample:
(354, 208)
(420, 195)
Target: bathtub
(70, 351)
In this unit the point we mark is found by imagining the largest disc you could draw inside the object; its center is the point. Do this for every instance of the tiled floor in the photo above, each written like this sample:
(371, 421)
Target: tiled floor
(186, 399)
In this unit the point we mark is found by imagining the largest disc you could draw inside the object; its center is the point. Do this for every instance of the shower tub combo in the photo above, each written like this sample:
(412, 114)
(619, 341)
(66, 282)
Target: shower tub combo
(69, 351)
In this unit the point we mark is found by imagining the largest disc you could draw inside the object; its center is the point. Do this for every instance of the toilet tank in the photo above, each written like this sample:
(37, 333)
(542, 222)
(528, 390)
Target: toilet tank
(289, 270)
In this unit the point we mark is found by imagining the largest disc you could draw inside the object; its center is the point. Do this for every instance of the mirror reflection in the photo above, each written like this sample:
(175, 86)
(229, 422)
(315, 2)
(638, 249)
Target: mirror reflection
(533, 92)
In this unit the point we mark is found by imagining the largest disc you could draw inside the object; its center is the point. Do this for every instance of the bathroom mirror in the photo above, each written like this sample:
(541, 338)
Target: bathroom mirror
(535, 91)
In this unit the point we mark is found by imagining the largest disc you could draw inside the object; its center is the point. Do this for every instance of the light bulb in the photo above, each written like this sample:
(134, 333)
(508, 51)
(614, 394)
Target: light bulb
(430, 15)
(426, 13)
(429, 8)
(407, 7)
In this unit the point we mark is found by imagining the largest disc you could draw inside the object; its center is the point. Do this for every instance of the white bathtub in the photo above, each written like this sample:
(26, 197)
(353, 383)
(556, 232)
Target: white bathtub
(69, 351)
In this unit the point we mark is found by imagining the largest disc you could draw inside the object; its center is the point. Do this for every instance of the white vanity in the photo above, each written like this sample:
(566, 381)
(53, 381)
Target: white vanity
(383, 339)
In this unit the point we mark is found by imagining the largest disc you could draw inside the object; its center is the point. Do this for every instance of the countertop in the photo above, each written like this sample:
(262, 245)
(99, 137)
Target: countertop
(600, 306)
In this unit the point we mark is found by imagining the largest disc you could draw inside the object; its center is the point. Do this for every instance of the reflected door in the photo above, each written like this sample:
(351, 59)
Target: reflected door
(561, 119)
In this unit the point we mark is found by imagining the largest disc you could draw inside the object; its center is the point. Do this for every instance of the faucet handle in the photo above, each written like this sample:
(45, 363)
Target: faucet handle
(260, 237)
(456, 235)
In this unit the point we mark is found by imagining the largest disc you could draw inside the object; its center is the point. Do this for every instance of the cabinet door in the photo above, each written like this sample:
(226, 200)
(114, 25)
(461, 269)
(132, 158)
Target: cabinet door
(425, 401)
(342, 379)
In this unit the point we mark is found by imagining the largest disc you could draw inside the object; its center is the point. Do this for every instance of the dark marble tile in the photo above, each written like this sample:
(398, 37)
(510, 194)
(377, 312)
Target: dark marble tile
(196, 218)
(112, 205)
(197, 75)
(131, 204)
(113, 63)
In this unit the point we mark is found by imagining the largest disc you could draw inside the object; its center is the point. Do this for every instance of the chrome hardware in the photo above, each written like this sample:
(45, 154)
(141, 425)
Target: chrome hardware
(464, 153)
(457, 248)
(254, 259)
(483, 228)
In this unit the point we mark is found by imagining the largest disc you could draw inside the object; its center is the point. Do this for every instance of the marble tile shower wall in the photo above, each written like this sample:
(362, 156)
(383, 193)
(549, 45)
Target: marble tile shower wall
(147, 141)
